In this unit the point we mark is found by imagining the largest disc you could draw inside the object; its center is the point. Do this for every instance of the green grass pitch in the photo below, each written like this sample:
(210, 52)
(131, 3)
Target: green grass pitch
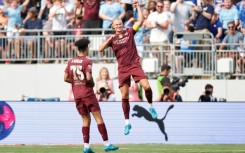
(130, 148)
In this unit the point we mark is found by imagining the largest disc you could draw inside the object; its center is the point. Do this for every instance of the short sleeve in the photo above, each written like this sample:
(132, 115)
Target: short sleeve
(225, 39)
(210, 9)
(88, 66)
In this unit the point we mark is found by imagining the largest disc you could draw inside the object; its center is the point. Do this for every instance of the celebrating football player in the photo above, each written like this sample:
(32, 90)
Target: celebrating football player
(123, 44)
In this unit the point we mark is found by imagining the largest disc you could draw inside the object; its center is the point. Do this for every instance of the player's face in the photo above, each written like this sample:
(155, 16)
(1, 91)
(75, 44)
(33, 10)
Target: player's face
(118, 25)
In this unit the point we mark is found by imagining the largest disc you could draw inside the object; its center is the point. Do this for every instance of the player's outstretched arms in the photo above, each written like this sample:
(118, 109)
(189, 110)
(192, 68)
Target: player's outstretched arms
(105, 45)
(67, 78)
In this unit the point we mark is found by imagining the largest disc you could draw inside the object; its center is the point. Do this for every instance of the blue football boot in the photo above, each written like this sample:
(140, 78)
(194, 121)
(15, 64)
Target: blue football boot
(127, 129)
(153, 113)
(88, 150)
(110, 148)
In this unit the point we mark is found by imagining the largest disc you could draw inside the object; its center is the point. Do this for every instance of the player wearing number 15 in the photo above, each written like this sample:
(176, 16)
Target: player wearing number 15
(79, 73)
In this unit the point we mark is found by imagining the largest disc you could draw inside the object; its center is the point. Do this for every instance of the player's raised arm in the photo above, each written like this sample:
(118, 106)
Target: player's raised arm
(138, 24)
(105, 44)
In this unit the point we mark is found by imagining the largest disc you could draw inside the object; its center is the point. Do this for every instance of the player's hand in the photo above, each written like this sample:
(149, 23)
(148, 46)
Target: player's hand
(111, 37)
(135, 3)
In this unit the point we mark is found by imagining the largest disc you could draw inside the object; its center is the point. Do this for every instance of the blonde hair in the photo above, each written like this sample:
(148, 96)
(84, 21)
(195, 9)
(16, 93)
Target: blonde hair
(108, 75)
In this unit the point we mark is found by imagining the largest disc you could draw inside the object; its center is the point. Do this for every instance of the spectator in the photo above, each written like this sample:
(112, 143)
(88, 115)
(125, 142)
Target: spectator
(185, 57)
(207, 95)
(227, 14)
(14, 23)
(233, 37)
(129, 19)
(158, 23)
(152, 6)
(166, 9)
(181, 14)
(167, 93)
(58, 14)
(32, 22)
(216, 28)
(165, 70)
(242, 15)
(126, 4)
(146, 31)
(110, 11)
(3, 26)
(77, 13)
(177, 97)
(77, 26)
(47, 25)
(203, 15)
(104, 86)
(241, 60)
(91, 17)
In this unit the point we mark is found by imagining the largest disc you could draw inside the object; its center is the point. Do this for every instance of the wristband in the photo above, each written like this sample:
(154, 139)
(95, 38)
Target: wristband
(136, 27)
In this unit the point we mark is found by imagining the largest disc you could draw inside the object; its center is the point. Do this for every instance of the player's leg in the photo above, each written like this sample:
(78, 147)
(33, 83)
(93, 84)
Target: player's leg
(103, 131)
(126, 107)
(83, 111)
(86, 132)
(148, 94)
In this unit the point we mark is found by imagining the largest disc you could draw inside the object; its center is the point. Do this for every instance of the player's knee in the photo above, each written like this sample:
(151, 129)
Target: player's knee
(148, 88)
(125, 94)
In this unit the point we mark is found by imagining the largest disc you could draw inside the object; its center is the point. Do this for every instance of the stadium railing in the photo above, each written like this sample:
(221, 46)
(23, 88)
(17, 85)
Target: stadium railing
(185, 57)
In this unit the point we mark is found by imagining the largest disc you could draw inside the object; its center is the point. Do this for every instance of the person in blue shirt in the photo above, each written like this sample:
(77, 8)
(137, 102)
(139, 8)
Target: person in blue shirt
(31, 22)
(110, 11)
(14, 23)
(216, 28)
(241, 14)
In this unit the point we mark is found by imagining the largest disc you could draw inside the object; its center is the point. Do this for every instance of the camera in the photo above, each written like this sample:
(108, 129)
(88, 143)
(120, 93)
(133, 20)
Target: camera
(103, 92)
(166, 91)
(177, 82)
(209, 98)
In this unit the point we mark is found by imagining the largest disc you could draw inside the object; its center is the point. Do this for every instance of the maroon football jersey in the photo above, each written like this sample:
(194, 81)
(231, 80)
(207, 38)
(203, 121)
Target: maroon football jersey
(91, 9)
(76, 69)
(124, 47)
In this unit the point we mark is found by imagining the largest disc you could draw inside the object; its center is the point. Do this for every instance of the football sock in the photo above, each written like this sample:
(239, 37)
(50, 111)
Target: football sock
(126, 121)
(126, 108)
(150, 105)
(148, 95)
(86, 145)
(85, 131)
(103, 131)
(106, 143)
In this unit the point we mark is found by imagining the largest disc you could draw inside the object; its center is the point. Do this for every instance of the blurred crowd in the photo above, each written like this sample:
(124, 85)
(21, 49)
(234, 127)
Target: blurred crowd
(162, 19)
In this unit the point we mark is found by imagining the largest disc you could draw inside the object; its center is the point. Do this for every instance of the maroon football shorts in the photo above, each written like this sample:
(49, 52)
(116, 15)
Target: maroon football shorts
(125, 72)
(87, 104)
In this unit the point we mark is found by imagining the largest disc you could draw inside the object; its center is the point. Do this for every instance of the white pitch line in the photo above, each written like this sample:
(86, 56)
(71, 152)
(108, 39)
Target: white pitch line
(189, 150)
